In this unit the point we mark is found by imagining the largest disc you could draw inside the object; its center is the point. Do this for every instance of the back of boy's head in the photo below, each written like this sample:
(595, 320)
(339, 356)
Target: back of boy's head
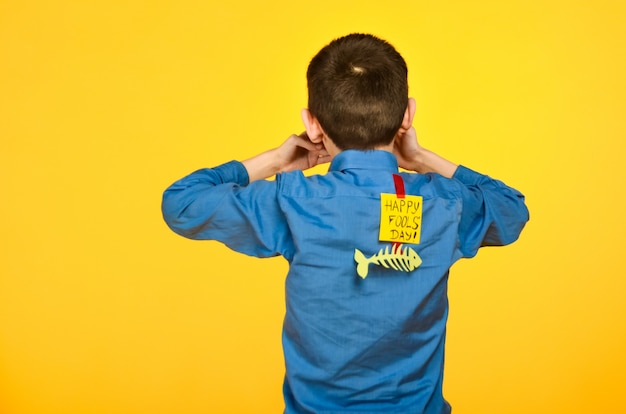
(358, 91)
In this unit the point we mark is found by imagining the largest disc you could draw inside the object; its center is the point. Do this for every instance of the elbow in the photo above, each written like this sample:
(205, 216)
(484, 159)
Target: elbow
(185, 215)
(173, 211)
(507, 227)
(522, 213)
(517, 219)
(523, 218)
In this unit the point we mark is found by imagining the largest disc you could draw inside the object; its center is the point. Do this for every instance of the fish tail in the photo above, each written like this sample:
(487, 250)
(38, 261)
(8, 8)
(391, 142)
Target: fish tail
(363, 263)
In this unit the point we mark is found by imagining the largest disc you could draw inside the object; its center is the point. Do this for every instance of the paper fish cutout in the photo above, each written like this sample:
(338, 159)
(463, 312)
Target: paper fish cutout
(398, 259)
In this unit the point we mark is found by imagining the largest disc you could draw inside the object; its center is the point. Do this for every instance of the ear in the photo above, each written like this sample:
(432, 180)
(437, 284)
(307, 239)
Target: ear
(409, 114)
(312, 126)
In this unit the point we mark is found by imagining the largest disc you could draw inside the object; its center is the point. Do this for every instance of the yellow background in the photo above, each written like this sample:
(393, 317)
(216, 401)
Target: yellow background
(105, 103)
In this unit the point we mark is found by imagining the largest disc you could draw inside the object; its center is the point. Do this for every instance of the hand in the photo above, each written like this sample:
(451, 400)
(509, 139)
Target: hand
(412, 156)
(407, 149)
(299, 153)
(296, 153)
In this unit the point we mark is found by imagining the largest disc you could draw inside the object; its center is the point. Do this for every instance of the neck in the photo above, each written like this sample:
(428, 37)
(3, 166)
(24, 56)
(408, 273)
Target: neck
(333, 150)
(330, 146)
(388, 147)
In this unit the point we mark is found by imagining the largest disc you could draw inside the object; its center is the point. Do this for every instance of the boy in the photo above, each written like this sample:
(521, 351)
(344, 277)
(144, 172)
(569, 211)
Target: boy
(369, 247)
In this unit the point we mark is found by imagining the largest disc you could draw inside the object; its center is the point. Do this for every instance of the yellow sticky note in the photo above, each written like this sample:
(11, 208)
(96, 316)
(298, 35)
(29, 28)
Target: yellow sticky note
(400, 218)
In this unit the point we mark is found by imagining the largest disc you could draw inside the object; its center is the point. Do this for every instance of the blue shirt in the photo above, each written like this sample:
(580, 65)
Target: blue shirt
(353, 344)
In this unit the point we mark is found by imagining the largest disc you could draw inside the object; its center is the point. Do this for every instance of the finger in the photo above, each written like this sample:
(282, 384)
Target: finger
(308, 145)
(323, 159)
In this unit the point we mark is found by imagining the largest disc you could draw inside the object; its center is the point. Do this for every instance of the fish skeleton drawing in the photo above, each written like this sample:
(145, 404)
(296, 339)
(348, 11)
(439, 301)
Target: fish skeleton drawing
(398, 259)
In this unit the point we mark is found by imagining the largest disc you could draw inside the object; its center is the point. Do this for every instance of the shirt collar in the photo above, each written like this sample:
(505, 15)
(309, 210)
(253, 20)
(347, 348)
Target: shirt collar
(364, 160)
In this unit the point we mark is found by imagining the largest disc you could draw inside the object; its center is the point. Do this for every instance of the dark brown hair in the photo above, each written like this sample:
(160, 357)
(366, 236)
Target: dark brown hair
(358, 91)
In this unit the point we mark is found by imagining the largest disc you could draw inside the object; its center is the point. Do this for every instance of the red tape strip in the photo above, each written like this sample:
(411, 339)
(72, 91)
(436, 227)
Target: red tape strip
(399, 183)
(400, 193)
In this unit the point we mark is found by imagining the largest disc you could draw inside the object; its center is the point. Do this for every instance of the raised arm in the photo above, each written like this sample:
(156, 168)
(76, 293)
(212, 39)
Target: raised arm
(231, 203)
(296, 153)
(493, 214)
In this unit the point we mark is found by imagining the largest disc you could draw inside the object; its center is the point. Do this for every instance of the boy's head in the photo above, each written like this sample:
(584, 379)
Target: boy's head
(358, 91)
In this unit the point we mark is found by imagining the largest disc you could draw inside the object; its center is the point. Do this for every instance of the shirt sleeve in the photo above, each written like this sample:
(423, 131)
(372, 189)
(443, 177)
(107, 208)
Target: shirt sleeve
(220, 204)
(493, 214)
